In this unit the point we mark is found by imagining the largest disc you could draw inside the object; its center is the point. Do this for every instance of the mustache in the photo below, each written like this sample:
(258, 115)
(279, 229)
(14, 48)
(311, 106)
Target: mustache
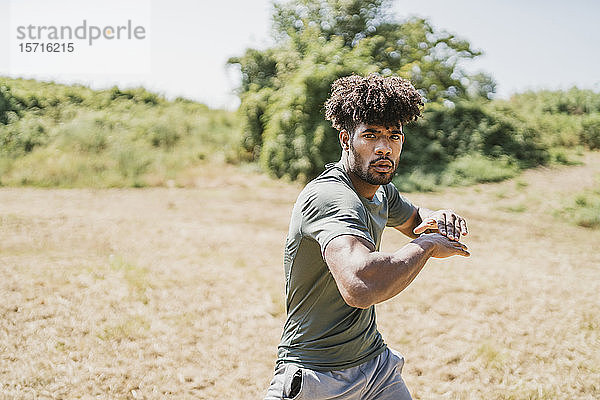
(382, 159)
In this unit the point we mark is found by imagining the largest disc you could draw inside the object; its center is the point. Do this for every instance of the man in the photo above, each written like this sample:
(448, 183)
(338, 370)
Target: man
(334, 271)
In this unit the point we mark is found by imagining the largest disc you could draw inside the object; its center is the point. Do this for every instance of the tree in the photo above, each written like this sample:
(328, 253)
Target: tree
(352, 20)
(283, 88)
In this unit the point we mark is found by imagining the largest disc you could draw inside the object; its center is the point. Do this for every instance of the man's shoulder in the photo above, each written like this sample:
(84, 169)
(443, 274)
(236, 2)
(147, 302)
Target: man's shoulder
(333, 173)
(332, 184)
(390, 189)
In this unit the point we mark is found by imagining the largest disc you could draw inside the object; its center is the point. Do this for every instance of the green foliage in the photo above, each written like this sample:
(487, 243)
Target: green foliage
(88, 133)
(524, 132)
(138, 95)
(571, 102)
(297, 141)
(258, 69)
(132, 162)
(21, 137)
(564, 156)
(583, 209)
(9, 106)
(252, 109)
(590, 132)
(563, 118)
(283, 88)
(475, 168)
(74, 136)
(412, 49)
(463, 171)
(446, 133)
(418, 180)
(463, 138)
(352, 20)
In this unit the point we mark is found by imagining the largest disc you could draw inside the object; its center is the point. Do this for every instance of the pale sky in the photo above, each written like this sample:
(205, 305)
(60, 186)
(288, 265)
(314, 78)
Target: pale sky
(528, 44)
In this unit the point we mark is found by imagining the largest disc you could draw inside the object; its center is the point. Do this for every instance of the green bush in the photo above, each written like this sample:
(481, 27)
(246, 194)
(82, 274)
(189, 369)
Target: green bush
(252, 112)
(22, 137)
(85, 134)
(583, 209)
(590, 131)
(562, 118)
(137, 95)
(565, 156)
(463, 171)
(51, 167)
(446, 134)
(132, 162)
(418, 180)
(163, 135)
(572, 102)
(9, 105)
(297, 140)
(475, 168)
(73, 136)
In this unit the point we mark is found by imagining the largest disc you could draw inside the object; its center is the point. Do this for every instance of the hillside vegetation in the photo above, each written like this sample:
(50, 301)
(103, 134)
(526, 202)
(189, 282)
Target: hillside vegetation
(71, 136)
(54, 135)
(478, 141)
(57, 135)
(464, 136)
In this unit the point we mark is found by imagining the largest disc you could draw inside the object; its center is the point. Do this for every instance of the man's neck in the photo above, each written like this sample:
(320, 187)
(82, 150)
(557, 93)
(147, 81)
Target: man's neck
(363, 188)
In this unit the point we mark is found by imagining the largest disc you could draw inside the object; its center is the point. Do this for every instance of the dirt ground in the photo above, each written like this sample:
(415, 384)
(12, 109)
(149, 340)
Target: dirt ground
(178, 293)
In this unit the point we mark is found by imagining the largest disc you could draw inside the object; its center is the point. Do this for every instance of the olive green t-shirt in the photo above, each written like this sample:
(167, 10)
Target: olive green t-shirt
(322, 332)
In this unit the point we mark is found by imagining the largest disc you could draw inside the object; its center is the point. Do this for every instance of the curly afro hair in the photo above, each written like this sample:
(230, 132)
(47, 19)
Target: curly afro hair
(373, 100)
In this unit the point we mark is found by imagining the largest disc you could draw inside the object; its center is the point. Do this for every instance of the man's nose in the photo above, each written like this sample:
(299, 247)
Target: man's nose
(383, 148)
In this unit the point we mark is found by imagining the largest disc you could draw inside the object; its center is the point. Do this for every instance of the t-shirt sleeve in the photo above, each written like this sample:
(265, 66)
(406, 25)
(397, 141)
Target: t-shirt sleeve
(329, 211)
(399, 207)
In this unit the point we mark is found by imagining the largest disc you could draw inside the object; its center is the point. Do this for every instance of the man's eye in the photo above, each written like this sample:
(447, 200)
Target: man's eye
(369, 136)
(396, 137)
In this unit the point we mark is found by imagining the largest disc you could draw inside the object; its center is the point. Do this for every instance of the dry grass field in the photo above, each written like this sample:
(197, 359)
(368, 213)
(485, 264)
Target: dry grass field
(178, 292)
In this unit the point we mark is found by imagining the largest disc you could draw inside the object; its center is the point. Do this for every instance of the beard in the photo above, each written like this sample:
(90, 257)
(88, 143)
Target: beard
(372, 177)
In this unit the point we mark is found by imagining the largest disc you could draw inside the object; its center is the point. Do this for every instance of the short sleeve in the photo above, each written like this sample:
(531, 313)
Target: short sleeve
(329, 211)
(399, 207)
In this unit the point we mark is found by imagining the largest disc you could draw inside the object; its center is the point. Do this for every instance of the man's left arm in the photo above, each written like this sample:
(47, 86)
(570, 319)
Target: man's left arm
(446, 222)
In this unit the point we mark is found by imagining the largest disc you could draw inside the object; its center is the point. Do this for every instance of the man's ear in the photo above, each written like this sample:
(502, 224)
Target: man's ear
(345, 140)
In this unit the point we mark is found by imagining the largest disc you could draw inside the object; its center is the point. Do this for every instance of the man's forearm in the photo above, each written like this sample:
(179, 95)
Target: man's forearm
(424, 213)
(384, 275)
(420, 215)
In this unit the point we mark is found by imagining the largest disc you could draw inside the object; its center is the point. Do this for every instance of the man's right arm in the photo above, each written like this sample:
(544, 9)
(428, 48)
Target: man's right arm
(365, 277)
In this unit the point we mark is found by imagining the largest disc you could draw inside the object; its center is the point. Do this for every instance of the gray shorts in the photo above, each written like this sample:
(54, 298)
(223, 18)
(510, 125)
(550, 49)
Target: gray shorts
(378, 379)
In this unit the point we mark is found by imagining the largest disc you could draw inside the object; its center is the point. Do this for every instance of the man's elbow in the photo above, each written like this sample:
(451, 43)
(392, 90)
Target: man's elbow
(358, 297)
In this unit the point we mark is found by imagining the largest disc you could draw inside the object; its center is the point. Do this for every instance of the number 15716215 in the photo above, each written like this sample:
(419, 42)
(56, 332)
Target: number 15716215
(37, 47)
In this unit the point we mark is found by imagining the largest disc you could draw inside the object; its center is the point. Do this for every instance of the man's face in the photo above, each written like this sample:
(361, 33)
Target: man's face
(374, 152)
